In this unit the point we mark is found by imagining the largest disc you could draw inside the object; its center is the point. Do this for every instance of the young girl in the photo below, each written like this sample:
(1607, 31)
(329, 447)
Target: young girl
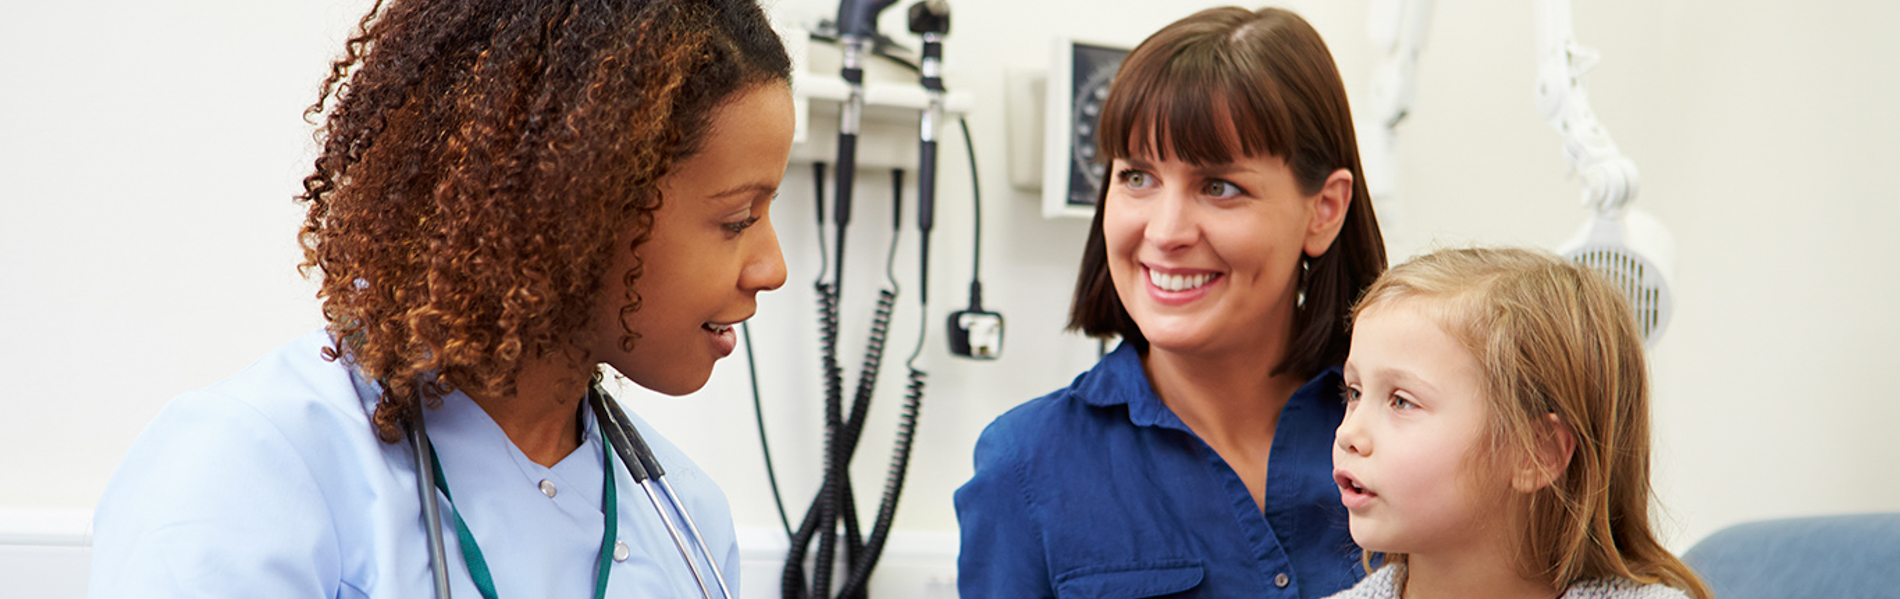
(1496, 438)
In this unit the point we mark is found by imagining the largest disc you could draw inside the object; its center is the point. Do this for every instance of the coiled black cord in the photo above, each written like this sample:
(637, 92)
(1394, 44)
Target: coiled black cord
(829, 492)
(873, 358)
(835, 500)
(860, 410)
(860, 573)
(861, 559)
(821, 514)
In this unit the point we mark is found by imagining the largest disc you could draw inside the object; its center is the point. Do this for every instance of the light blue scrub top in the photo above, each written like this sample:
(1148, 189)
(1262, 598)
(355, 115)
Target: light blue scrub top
(272, 484)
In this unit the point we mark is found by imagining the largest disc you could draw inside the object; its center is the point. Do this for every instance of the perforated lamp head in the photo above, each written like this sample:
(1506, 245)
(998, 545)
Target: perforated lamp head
(1634, 252)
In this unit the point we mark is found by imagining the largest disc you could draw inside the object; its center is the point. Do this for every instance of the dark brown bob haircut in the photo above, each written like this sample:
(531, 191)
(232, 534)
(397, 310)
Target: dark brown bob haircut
(1268, 73)
(481, 161)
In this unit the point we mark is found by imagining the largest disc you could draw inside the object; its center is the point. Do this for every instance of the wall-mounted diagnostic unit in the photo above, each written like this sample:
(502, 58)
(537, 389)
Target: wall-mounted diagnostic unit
(1077, 86)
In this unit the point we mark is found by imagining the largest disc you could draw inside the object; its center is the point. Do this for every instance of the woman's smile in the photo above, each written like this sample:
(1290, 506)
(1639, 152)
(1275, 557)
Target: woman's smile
(1176, 287)
(1206, 256)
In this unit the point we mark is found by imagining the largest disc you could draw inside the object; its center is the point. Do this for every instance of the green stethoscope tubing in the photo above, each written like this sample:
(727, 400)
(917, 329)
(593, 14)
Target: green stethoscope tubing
(622, 438)
(472, 553)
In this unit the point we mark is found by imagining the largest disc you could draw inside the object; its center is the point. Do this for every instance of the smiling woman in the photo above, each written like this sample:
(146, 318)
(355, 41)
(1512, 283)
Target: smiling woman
(509, 196)
(711, 249)
(1234, 230)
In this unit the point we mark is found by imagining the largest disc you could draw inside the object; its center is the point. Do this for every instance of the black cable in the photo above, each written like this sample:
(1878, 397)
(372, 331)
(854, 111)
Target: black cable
(821, 515)
(868, 371)
(818, 202)
(976, 190)
(828, 494)
(835, 500)
(859, 574)
(901, 61)
(758, 411)
(976, 201)
(923, 20)
(881, 47)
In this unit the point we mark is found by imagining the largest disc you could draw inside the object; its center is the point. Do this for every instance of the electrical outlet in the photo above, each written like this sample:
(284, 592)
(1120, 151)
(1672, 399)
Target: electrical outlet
(976, 334)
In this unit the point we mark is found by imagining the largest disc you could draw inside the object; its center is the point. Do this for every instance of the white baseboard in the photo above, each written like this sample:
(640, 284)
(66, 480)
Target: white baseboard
(920, 565)
(46, 554)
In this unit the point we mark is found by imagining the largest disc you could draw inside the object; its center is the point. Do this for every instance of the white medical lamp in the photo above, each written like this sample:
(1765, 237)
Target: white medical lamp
(1630, 248)
(1397, 29)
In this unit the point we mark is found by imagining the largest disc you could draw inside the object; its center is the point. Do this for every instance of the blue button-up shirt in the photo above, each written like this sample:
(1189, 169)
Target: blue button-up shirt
(1099, 490)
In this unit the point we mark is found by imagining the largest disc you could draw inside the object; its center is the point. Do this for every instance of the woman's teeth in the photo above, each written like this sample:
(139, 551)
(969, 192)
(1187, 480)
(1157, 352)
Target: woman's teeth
(718, 328)
(1170, 282)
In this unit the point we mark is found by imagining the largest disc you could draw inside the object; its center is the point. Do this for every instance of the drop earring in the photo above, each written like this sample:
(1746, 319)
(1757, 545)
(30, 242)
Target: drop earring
(1306, 269)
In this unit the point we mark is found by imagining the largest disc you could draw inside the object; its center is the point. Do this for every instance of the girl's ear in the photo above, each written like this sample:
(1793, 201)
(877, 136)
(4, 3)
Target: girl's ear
(1555, 444)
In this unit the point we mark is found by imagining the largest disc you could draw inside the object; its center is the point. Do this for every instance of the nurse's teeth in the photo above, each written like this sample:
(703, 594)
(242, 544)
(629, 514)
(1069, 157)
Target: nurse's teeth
(1178, 282)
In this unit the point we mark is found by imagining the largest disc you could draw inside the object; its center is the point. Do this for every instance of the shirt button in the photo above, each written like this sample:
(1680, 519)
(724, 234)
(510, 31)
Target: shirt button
(1281, 580)
(620, 551)
(547, 488)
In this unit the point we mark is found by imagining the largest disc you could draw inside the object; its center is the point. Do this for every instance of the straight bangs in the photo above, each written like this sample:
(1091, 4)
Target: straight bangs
(1223, 85)
(1197, 98)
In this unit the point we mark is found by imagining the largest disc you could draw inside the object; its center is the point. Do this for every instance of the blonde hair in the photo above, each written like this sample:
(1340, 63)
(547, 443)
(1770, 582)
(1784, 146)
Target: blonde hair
(1552, 337)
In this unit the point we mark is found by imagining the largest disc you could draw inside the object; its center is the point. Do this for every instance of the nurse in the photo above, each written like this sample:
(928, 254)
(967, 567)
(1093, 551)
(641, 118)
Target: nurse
(509, 195)
(1233, 232)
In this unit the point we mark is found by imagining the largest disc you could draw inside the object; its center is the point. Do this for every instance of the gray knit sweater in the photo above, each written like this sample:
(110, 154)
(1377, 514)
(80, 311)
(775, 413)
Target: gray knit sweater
(1384, 584)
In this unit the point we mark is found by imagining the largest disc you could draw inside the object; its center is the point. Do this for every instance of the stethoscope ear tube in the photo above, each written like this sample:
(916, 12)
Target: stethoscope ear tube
(614, 431)
(693, 528)
(431, 510)
(619, 434)
(617, 429)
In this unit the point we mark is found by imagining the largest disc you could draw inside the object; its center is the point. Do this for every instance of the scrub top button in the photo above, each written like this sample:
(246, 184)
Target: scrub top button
(620, 551)
(547, 488)
(1281, 580)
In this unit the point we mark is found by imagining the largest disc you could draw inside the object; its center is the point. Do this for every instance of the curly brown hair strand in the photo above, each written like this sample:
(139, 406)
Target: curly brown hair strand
(481, 161)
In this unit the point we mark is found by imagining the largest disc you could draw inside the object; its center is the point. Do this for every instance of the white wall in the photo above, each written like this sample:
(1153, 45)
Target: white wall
(149, 151)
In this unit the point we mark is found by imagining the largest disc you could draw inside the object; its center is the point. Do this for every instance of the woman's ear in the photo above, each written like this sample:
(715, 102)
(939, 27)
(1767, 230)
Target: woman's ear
(1555, 444)
(1328, 212)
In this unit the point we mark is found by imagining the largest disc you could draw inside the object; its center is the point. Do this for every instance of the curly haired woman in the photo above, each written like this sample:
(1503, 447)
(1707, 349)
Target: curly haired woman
(509, 195)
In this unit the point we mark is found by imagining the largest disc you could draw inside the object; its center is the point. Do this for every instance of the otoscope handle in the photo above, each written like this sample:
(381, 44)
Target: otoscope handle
(931, 19)
(928, 127)
(847, 171)
(897, 200)
(926, 211)
(926, 185)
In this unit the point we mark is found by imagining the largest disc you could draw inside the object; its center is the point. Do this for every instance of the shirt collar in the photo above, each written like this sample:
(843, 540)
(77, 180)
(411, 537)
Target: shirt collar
(1119, 380)
(370, 393)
